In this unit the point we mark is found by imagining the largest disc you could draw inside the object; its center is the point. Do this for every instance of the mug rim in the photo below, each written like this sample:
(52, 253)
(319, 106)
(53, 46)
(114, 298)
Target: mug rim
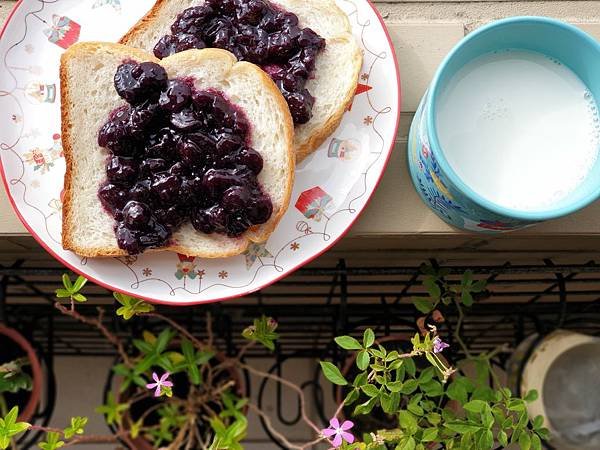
(515, 214)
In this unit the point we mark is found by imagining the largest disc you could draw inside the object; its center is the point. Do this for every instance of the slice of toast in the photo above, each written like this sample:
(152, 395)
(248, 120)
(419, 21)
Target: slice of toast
(88, 97)
(336, 74)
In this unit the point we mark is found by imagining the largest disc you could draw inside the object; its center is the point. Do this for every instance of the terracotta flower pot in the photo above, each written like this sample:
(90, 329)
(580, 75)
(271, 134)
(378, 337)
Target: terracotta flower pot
(27, 412)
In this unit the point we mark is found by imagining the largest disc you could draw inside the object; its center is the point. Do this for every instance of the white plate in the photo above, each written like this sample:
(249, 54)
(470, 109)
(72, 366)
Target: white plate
(332, 187)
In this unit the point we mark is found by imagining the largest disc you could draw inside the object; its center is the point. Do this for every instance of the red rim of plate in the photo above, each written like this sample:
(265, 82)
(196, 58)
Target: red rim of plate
(258, 288)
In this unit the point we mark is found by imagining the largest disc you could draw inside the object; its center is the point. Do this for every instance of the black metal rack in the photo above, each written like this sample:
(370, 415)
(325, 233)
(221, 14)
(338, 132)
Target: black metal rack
(316, 304)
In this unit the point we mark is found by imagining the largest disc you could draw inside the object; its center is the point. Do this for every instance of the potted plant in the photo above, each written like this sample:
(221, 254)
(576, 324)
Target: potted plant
(173, 390)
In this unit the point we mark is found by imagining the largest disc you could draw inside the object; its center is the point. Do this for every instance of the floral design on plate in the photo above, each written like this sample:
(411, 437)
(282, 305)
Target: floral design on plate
(331, 189)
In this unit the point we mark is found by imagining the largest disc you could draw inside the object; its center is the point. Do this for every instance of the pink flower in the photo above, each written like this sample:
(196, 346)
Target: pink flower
(160, 383)
(439, 345)
(338, 432)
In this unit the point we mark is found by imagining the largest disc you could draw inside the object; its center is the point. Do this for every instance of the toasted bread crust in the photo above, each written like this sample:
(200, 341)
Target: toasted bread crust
(257, 234)
(314, 141)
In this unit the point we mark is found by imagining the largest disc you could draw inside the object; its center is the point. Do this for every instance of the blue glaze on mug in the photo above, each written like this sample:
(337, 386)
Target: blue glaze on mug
(438, 184)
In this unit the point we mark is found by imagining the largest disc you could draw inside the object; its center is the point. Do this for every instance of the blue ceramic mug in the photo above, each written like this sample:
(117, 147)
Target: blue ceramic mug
(438, 184)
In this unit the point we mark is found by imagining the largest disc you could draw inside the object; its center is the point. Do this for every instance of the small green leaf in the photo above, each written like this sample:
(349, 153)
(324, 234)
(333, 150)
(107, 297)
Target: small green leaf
(486, 440)
(79, 298)
(432, 388)
(370, 390)
(538, 422)
(79, 283)
(478, 286)
(475, 406)
(76, 427)
(394, 386)
(531, 396)
(368, 338)
(348, 343)
(53, 442)
(432, 288)
(408, 422)
(503, 439)
(62, 293)
(536, 442)
(434, 418)
(525, 441)
(415, 409)
(423, 304)
(67, 282)
(457, 391)
(407, 443)
(332, 373)
(461, 428)
(429, 434)
(363, 359)
(409, 387)
(352, 396)
(365, 408)
(466, 298)
(426, 375)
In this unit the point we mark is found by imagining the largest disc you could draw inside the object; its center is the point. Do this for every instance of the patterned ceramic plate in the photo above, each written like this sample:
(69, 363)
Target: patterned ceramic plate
(332, 187)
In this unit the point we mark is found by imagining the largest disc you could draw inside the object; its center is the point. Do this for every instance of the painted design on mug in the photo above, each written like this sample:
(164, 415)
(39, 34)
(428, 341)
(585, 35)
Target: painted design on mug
(344, 149)
(63, 31)
(313, 203)
(489, 225)
(440, 195)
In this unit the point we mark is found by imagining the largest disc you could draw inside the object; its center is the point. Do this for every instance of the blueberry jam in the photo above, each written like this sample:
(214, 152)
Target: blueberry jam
(254, 31)
(177, 154)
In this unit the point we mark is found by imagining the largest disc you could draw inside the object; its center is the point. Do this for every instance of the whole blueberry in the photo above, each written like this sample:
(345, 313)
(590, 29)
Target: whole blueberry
(162, 144)
(166, 46)
(121, 169)
(185, 120)
(190, 153)
(235, 199)
(112, 196)
(166, 187)
(177, 96)
(260, 209)
(251, 159)
(136, 215)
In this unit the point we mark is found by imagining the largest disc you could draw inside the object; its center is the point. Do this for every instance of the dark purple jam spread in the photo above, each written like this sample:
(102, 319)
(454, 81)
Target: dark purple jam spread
(254, 31)
(177, 154)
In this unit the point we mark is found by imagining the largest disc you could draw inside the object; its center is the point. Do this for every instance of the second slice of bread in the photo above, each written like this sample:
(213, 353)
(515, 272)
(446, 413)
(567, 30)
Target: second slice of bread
(336, 74)
(88, 97)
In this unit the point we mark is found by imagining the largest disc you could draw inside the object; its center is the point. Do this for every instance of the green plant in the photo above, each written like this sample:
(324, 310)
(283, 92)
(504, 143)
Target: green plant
(435, 407)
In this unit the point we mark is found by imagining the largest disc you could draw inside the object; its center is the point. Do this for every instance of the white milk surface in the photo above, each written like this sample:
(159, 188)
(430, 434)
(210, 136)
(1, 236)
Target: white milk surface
(518, 128)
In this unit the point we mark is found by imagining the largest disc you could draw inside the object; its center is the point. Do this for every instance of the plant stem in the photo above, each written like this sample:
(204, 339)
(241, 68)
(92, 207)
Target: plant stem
(272, 429)
(289, 384)
(3, 407)
(456, 334)
(97, 323)
(92, 439)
